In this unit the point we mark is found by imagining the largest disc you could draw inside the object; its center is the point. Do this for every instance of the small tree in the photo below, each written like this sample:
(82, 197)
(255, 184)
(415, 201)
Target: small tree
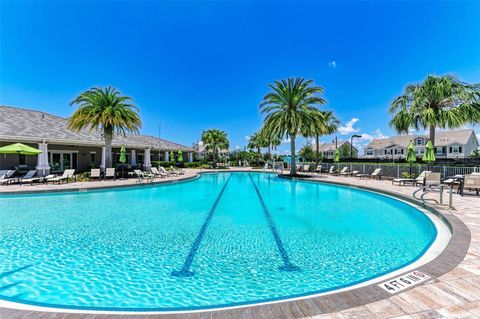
(215, 140)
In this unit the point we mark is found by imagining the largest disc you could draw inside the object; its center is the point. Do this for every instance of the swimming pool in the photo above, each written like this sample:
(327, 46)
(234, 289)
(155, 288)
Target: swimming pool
(221, 240)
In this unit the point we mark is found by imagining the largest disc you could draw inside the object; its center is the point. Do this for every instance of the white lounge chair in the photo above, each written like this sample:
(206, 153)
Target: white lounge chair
(344, 171)
(95, 173)
(143, 175)
(66, 175)
(6, 178)
(421, 178)
(164, 171)
(433, 179)
(377, 174)
(155, 172)
(331, 170)
(472, 182)
(175, 171)
(29, 177)
(109, 173)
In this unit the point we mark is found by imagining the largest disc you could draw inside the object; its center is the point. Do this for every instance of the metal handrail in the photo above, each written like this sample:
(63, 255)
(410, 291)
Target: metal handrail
(440, 188)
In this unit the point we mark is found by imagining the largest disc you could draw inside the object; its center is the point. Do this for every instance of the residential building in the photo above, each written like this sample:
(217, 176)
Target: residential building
(63, 148)
(328, 149)
(202, 152)
(448, 145)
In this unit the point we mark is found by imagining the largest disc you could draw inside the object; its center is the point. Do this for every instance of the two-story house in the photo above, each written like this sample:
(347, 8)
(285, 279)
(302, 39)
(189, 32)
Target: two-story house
(448, 144)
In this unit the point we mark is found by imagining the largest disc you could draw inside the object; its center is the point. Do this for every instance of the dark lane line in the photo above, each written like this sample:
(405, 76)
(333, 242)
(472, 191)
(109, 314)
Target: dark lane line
(185, 271)
(287, 265)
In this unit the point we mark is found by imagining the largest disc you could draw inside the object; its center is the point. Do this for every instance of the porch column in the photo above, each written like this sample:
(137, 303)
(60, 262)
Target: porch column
(133, 159)
(167, 156)
(102, 163)
(190, 157)
(146, 159)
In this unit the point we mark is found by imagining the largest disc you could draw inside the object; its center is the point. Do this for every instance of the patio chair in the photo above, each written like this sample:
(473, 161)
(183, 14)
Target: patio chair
(306, 168)
(377, 174)
(344, 171)
(278, 167)
(110, 173)
(66, 175)
(6, 178)
(143, 175)
(433, 179)
(472, 182)
(95, 173)
(164, 171)
(29, 177)
(421, 178)
(331, 170)
(155, 172)
(176, 171)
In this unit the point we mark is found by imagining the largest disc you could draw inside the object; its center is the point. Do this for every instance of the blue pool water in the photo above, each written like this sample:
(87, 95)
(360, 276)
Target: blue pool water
(222, 239)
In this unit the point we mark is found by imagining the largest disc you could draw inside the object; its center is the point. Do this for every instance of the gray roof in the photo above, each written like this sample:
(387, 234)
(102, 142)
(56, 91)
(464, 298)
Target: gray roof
(22, 125)
(326, 147)
(442, 138)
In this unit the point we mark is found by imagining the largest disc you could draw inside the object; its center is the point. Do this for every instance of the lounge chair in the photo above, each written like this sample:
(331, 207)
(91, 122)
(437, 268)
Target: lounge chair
(109, 173)
(278, 167)
(143, 175)
(421, 178)
(433, 179)
(306, 168)
(176, 171)
(66, 175)
(155, 172)
(344, 171)
(29, 177)
(6, 178)
(331, 170)
(95, 173)
(472, 182)
(352, 173)
(377, 174)
(164, 171)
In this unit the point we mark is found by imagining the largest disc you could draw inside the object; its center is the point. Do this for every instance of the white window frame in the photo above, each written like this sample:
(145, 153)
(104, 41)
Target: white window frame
(61, 152)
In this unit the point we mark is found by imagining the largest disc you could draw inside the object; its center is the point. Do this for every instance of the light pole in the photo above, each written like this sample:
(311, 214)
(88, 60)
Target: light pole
(351, 144)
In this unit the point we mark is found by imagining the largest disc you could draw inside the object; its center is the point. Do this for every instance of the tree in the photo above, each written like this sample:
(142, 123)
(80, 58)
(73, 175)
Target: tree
(328, 126)
(256, 142)
(306, 152)
(475, 154)
(291, 110)
(215, 140)
(105, 109)
(437, 102)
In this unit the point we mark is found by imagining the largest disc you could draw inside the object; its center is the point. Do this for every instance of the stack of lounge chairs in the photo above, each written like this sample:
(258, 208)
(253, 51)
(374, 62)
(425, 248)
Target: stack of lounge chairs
(156, 172)
(6, 176)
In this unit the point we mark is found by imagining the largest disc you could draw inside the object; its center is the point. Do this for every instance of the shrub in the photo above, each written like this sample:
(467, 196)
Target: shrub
(192, 165)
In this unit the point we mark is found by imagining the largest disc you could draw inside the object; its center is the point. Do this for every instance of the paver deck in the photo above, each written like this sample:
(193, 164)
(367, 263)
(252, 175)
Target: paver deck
(455, 294)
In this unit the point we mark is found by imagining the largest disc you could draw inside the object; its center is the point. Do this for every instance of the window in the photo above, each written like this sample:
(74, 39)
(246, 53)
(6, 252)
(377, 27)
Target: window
(93, 157)
(369, 152)
(439, 150)
(419, 141)
(455, 149)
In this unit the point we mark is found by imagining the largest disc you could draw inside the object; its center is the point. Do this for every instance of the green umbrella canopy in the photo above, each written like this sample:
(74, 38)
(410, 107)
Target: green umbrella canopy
(429, 155)
(411, 157)
(172, 156)
(19, 148)
(123, 154)
(336, 156)
(180, 156)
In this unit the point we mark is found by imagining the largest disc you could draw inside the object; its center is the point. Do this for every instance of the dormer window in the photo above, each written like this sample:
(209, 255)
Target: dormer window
(419, 141)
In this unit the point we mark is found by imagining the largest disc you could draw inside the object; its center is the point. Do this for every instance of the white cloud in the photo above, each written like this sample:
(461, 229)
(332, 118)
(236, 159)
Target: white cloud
(332, 64)
(348, 128)
(247, 137)
(286, 140)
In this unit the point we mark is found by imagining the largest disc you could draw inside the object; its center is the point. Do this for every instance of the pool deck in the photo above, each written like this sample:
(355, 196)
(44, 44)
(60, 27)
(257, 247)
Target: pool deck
(455, 294)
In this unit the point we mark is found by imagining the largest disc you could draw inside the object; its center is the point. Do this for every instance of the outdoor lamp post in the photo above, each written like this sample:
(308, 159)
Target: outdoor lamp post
(351, 144)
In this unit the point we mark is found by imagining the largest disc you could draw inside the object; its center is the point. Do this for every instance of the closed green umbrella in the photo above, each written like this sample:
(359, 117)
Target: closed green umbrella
(336, 156)
(429, 155)
(19, 148)
(411, 157)
(180, 156)
(123, 157)
(172, 156)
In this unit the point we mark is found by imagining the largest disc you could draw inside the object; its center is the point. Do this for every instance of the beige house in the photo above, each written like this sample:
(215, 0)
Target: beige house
(202, 152)
(63, 148)
(448, 144)
(328, 149)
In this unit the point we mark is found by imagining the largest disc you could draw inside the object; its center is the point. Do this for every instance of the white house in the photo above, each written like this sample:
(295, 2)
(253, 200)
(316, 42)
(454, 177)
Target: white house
(328, 149)
(448, 144)
(200, 150)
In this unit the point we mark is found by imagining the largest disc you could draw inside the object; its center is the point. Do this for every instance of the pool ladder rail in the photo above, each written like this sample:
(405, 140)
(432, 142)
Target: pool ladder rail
(431, 188)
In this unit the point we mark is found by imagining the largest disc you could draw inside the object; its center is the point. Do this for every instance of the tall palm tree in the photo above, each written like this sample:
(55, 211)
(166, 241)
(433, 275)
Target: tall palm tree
(215, 140)
(291, 110)
(257, 141)
(108, 110)
(437, 102)
(328, 126)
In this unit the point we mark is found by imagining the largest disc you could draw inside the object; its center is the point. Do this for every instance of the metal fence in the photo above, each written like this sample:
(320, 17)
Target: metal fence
(396, 171)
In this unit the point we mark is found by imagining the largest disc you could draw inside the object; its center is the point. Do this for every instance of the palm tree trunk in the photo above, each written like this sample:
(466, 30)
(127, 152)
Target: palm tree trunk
(214, 160)
(108, 135)
(258, 156)
(432, 134)
(269, 151)
(293, 167)
(316, 150)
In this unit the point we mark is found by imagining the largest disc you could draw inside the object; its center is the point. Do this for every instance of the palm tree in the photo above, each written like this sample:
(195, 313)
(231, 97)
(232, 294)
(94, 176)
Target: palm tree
(215, 140)
(437, 102)
(328, 126)
(291, 110)
(257, 141)
(105, 109)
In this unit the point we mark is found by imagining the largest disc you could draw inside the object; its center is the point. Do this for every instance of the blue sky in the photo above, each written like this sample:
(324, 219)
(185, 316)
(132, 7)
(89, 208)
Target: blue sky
(197, 65)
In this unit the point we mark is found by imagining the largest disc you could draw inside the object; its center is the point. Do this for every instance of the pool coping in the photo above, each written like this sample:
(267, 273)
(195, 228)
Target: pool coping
(451, 256)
